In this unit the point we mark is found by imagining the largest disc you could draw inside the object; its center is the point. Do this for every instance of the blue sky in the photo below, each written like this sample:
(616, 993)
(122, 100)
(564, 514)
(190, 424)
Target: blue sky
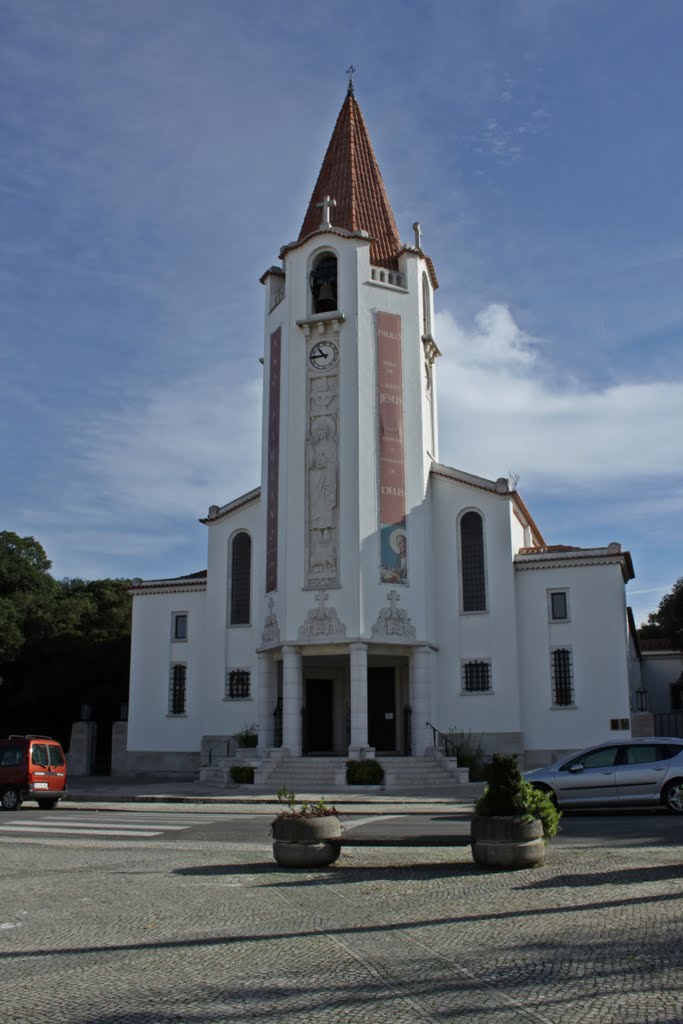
(155, 156)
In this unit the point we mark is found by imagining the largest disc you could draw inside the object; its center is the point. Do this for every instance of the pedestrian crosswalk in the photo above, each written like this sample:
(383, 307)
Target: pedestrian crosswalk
(65, 824)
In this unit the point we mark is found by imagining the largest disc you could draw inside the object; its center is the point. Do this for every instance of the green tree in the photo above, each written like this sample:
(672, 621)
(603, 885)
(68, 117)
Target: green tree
(667, 622)
(27, 593)
(62, 644)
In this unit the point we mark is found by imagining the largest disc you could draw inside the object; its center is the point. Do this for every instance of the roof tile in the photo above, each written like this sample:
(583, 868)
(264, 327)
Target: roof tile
(350, 175)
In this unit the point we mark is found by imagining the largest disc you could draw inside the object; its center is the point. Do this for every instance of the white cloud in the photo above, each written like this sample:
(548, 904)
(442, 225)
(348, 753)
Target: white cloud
(500, 411)
(179, 448)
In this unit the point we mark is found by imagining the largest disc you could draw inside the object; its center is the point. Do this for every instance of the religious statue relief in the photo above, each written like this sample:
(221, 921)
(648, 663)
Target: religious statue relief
(322, 474)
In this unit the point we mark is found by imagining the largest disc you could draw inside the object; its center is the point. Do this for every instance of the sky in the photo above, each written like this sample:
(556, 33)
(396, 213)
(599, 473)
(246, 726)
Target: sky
(155, 156)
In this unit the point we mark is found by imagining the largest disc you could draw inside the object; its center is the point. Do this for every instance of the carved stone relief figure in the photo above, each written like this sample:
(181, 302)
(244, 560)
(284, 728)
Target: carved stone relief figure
(322, 467)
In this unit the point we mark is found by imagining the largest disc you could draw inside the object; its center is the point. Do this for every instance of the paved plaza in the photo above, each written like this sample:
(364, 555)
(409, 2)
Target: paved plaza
(201, 933)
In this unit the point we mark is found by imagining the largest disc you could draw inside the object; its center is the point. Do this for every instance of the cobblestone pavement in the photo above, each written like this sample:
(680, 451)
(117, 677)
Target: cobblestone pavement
(194, 933)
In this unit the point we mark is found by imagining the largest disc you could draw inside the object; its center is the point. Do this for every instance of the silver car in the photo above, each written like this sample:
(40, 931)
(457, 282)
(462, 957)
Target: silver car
(632, 772)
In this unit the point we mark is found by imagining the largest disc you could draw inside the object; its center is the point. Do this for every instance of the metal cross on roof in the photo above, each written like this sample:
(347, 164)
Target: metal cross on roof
(326, 204)
(350, 71)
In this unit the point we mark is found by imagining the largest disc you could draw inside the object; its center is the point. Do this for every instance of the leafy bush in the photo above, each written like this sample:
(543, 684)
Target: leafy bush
(241, 773)
(248, 737)
(469, 753)
(367, 772)
(289, 809)
(507, 794)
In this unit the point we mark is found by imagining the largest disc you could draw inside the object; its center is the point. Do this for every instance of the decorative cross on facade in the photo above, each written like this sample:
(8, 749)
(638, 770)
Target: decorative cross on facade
(393, 597)
(321, 597)
(271, 604)
(326, 204)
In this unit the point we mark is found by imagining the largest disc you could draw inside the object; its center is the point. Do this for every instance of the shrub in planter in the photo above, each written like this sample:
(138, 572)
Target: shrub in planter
(513, 821)
(248, 737)
(367, 772)
(307, 835)
(469, 753)
(241, 773)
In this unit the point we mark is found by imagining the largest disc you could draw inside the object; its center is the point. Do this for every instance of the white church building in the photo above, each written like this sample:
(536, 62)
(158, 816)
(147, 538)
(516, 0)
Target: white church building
(365, 597)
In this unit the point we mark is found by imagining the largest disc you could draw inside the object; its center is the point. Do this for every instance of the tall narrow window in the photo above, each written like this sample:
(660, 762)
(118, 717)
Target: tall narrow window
(426, 310)
(180, 625)
(240, 580)
(563, 688)
(472, 563)
(177, 698)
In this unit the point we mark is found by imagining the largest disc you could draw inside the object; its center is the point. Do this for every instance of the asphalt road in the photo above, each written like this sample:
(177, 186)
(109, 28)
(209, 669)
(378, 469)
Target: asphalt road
(578, 829)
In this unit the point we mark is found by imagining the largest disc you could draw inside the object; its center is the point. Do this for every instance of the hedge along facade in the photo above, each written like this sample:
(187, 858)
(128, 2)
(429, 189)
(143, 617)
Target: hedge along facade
(365, 589)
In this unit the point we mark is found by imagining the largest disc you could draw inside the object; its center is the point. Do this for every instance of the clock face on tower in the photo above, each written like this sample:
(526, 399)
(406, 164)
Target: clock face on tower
(323, 355)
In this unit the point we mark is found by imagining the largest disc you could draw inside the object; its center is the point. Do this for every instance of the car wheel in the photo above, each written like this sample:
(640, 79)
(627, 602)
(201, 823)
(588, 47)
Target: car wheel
(673, 796)
(47, 805)
(11, 800)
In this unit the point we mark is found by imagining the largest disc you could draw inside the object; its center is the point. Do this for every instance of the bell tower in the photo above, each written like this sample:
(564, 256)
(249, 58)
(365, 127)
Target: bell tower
(349, 422)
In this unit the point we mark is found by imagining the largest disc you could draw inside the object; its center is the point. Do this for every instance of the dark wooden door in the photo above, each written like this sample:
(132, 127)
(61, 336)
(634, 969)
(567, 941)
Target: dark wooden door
(381, 708)
(319, 718)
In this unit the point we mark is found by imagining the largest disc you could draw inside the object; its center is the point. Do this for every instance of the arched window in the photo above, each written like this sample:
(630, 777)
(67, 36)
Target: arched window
(323, 283)
(426, 309)
(472, 570)
(240, 580)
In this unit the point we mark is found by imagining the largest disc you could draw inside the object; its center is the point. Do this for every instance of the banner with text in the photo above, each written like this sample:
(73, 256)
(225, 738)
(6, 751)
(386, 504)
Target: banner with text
(392, 494)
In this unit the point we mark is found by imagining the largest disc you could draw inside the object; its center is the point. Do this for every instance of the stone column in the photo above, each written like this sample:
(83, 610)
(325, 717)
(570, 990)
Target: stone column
(421, 664)
(267, 697)
(358, 746)
(292, 701)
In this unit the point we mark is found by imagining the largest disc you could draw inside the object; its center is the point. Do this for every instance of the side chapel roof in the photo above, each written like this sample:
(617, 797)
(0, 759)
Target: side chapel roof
(350, 175)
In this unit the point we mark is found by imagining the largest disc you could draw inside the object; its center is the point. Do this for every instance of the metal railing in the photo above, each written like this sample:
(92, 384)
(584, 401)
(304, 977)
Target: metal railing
(216, 746)
(407, 730)
(442, 741)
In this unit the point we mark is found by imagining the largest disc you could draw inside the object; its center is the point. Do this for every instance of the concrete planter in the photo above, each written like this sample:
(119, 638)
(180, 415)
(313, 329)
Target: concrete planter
(306, 842)
(507, 842)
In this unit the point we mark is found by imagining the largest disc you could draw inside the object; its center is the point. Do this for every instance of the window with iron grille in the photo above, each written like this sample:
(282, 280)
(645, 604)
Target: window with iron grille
(240, 580)
(177, 699)
(476, 676)
(563, 690)
(238, 683)
(472, 563)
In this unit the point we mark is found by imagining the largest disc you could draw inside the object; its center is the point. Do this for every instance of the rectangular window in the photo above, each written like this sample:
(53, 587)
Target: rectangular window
(559, 609)
(563, 690)
(238, 684)
(476, 676)
(180, 625)
(177, 698)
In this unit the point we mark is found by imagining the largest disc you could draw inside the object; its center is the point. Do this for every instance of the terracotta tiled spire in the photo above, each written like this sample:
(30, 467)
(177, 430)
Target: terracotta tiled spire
(351, 176)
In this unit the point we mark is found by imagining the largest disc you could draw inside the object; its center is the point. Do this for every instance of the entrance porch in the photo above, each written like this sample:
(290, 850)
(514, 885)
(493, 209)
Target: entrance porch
(352, 701)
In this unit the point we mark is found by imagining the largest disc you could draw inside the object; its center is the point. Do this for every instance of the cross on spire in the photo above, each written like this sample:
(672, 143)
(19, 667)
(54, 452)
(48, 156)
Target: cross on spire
(350, 71)
(326, 204)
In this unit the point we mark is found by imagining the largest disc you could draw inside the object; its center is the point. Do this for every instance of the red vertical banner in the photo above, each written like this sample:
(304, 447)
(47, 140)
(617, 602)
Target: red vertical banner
(392, 493)
(273, 475)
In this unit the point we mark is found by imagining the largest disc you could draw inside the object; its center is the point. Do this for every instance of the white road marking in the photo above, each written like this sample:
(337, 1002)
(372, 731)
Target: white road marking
(85, 831)
(364, 821)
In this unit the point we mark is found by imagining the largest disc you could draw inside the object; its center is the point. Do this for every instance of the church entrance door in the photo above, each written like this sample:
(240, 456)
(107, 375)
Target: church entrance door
(382, 709)
(318, 717)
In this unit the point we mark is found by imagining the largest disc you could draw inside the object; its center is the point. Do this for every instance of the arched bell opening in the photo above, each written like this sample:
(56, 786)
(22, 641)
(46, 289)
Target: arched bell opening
(323, 282)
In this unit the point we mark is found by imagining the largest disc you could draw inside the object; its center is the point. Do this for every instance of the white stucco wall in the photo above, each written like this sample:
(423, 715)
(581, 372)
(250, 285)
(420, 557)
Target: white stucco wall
(659, 670)
(151, 727)
(596, 634)
(467, 636)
